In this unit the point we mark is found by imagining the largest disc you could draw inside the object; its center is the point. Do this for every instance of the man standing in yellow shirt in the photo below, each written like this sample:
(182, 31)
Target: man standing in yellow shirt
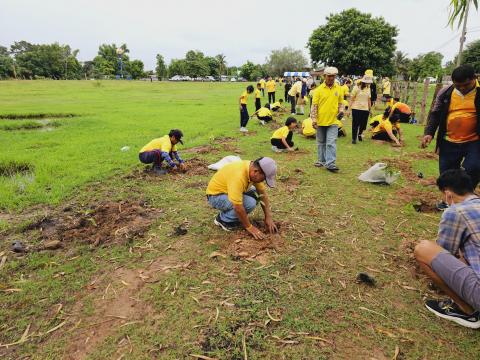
(456, 115)
(271, 85)
(230, 191)
(327, 107)
(386, 85)
(262, 86)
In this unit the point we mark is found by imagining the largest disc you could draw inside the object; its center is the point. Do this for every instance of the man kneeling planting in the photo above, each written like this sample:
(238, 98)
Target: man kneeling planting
(453, 263)
(234, 190)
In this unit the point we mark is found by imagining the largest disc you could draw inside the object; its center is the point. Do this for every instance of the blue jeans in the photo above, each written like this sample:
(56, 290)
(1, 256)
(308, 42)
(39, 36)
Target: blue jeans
(227, 212)
(452, 155)
(327, 145)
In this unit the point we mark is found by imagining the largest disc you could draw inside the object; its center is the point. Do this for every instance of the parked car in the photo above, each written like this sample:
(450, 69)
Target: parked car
(209, 78)
(187, 78)
(233, 79)
(241, 79)
(431, 79)
(176, 78)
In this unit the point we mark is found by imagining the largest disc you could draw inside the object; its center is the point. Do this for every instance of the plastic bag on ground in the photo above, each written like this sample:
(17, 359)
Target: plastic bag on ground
(379, 174)
(224, 161)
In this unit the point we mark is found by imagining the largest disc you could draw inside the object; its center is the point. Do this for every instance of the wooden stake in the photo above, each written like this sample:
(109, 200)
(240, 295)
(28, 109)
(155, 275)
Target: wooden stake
(424, 101)
(414, 102)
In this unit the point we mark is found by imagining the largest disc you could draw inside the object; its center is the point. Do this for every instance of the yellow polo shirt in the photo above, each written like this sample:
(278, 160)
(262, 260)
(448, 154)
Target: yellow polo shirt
(307, 127)
(281, 133)
(270, 85)
(384, 126)
(327, 100)
(264, 112)
(276, 104)
(262, 83)
(462, 117)
(163, 144)
(386, 87)
(257, 94)
(244, 97)
(346, 90)
(233, 179)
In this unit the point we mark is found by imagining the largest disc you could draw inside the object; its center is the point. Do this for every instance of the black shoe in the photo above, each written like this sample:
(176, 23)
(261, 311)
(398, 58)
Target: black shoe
(447, 309)
(157, 170)
(227, 226)
(354, 141)
(360, 138)
(442, 205)
(333, 169)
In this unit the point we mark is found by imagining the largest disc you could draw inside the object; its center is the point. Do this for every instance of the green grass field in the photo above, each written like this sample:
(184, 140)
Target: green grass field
(204, 294)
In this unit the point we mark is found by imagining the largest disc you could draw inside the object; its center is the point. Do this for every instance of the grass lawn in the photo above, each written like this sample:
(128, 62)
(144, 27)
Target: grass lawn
(152, 291)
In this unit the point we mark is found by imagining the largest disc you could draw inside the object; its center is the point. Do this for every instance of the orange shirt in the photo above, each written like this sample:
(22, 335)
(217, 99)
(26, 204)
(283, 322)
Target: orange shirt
(462, 117)
(403, 108)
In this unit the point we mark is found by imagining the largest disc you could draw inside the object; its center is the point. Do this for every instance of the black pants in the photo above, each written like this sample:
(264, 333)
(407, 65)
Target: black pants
(279, 143)
(286, 97)
(244, 116)
(293, 102)
(359, 122)
(263, 92)
(265, 118)
(341, 132)
(467, 155)
(405, 118)
(271, 97)
(383, 136)
(257, 104)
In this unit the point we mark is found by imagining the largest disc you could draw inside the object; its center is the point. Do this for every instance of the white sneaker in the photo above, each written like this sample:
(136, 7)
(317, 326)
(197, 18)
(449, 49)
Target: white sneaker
(243, 129)
(262, 122)
(275, 149)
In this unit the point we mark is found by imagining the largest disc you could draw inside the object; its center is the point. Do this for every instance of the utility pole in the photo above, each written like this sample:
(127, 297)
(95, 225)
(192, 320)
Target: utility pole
(464, 33)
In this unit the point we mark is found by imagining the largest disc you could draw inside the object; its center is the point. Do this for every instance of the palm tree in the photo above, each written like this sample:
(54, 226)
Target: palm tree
(458, 9)
(401, 63)
(222, 64)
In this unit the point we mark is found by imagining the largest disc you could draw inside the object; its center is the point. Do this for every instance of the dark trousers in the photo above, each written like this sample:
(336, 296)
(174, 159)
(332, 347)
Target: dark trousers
(467, 155)
(257, 104)
(293, 103)
(405, 118)
(286, 97)
(265, 118)
(359, 122)
(383, 135)
(152, 157)
(271, 97)
(244, 116)
(263, 91)
(279, 143)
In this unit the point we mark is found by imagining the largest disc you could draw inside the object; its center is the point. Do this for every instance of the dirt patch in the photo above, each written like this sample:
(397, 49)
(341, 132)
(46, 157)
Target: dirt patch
(291, 183)
(225, 143)
(12, 168)
(274, 125)
(424, 155)
(405, 168)
(36, 116)
(250, 133)
(195, 166)
(203, 149)
(421, 201)
(102, 223)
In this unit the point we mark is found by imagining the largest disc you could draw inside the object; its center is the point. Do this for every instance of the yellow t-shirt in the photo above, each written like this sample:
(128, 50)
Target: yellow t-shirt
(257, 94)
(281, 133)
(264, 112)
(384, 126)
(233, 179)
(462, 117)
(327, 100)
(338, 123)
(296, 89)
(386, 87)
(163, 144)
(378, 118)
(307, 127)
(244, 97)
(275, 104)
(346, 90)
(360, 98)
(262, 83)
(270, 85)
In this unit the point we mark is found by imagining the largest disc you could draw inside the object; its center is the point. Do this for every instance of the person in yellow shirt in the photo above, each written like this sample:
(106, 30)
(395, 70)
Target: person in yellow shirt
(235, 189)
(307, 128)
(294, 93)
(386, 87)
(402, 109)
(341, 129)
(264, 115)
(244, 117)
(262, 86)
(388, 130)
(270, 85)
(163, 149)
(282, 138)
(277, 106)
(456, 115)
(258, 105)
(327, 107)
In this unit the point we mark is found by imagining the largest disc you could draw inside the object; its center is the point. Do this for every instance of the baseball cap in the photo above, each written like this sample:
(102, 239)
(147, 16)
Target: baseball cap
(330, 70)
(269, 168)
(177, 134)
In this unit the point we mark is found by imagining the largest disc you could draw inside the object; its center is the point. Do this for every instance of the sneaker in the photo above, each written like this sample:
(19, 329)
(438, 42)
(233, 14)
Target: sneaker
(442, 205)
(262, 122)
(318, 164)
(354, 142)
(360, 137)
(275, 149)
(447, 309)
(224, 225)
(243, 129)
(157, 170)
(333, 169)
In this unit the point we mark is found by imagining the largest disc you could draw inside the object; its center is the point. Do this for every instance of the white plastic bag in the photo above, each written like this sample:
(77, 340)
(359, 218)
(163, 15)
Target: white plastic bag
(379, 173)
(226, 160)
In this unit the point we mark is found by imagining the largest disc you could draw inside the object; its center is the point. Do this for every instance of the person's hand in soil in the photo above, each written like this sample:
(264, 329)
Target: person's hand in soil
(291, 149)
(270, 225)
(173, 170)
(183, 167)
(255, 232)
(426, 140)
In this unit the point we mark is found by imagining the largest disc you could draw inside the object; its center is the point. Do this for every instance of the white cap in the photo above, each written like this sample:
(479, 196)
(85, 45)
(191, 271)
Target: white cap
(330, 70)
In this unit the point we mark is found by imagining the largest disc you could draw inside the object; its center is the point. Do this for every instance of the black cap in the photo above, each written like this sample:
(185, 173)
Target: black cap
(177, 134)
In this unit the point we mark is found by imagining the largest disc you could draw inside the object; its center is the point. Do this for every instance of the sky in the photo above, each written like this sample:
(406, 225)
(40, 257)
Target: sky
(241, 30)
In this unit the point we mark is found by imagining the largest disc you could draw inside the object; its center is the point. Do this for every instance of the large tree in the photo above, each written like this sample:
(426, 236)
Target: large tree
(6, 64)
(401, 64)
(471, 55)
(176, 67)
(161, 68)
(222, 64)
(424, 65)
(353, 42)
(286, 59)
(195, 64)
(134, 68)
(107, 60)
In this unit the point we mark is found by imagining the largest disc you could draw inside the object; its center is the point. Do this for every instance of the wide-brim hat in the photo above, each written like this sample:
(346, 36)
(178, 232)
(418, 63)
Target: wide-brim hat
(367, 79)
